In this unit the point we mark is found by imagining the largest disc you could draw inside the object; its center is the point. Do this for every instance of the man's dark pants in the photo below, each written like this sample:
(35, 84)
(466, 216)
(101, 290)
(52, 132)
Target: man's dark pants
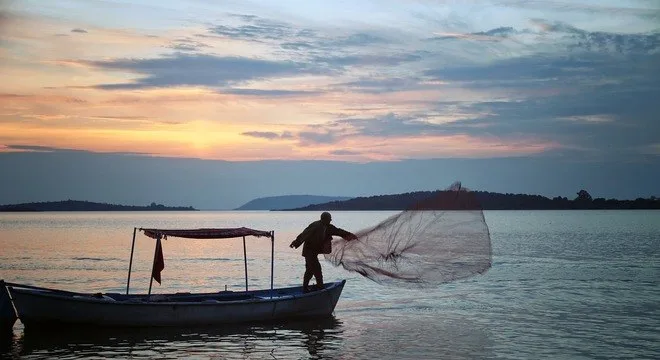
(312, 268)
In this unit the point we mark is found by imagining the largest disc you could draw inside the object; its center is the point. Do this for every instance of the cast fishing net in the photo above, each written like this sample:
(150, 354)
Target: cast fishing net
(441, 237)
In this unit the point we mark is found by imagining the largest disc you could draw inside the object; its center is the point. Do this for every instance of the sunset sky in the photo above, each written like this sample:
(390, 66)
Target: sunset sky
(357, 81)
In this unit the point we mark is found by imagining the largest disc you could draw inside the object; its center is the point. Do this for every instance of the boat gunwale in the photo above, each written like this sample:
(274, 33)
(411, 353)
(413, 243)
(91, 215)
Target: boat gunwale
(90, 299)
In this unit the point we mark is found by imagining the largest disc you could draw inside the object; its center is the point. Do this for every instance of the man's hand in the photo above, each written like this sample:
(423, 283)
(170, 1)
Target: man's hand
(293, 245)
(350, 237)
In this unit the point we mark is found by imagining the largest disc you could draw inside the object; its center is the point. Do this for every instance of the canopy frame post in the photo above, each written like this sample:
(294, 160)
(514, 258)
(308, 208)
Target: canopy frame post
(130, 263)
(272, 261)
(245, 262)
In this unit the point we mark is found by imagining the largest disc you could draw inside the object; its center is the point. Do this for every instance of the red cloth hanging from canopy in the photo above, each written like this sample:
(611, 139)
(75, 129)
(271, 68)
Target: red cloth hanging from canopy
(159, 262)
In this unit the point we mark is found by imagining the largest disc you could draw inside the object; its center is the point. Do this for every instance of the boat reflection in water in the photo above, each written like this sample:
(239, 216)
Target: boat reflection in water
(315, 338)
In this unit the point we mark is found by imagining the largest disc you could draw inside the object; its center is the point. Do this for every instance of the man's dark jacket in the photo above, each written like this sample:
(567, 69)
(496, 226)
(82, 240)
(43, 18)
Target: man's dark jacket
(316, 235)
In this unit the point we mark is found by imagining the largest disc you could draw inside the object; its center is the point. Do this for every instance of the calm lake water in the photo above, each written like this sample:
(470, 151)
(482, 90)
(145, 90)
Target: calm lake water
(564, 285)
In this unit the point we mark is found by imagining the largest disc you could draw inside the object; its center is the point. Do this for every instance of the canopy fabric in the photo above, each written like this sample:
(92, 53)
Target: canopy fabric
(205, 233)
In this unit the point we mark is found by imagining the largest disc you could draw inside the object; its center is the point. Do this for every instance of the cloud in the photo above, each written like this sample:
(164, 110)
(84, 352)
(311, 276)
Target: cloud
(79, 30)
(354, 40)
(605, 119)
(545, 31)
(602, 41)
(651, 149)
(367, 60)
(361, 39)
(381, 85)
(37, 148)
(331, 44)
(321, 54)
(533, 67)
(186, 44)
(313, 135)
(317, 137)
(609, 120)
(291, 37)
(590, 119)
(8, 98)
(50, 149)
(496, 34)
(387, 126)
(255, 29)
(547, 72)
(591, 8)
(344, 152)
(324, 134)
(336, 51)
(296, 46)
(269, 93)
(196, 70)
(377, 86)
(268, 135)
(390, 125)
(503, 31)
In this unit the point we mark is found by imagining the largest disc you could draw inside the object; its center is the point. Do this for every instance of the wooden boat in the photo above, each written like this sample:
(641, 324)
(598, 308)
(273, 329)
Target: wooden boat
(37, 305)
(51, 307)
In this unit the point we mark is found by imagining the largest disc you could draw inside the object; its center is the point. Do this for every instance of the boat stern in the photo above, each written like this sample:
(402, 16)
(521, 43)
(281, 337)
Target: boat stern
(7, 311)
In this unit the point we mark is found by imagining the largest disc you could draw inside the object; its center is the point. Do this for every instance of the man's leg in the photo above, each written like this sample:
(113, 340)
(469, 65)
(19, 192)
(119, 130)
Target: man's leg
(309, 271)
(318, 273)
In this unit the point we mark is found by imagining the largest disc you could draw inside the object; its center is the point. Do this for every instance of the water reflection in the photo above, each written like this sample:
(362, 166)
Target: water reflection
(319, 338)
(6, 341)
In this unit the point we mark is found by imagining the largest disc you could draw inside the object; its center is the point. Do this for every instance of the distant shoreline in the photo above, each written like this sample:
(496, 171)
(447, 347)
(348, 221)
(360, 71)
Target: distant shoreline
(487, 201)
(75, 205)
(396, 202)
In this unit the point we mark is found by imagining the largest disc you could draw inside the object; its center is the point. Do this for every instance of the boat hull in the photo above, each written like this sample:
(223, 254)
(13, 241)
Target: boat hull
(44, 307)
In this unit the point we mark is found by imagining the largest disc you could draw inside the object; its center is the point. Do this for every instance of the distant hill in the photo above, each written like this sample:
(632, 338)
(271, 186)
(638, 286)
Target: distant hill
(490, 201)
(75, 205)
(288, 202)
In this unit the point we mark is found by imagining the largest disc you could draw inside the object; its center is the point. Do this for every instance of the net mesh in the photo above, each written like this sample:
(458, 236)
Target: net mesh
(439, 239)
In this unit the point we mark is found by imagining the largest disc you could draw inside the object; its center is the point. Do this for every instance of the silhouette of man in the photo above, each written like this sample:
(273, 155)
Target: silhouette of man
(317, 238)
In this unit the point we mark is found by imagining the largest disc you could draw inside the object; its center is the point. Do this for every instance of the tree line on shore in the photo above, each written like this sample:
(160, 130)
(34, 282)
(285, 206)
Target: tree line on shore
(492, 201)
(75, 205)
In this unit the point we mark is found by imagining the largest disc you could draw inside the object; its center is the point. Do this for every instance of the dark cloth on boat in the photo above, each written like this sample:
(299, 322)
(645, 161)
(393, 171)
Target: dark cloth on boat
(317, 238)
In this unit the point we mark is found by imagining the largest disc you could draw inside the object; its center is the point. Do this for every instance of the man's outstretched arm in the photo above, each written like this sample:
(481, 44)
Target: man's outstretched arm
(346, 235)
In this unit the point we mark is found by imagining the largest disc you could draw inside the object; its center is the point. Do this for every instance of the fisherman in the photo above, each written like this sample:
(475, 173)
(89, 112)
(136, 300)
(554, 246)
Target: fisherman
(317, 238)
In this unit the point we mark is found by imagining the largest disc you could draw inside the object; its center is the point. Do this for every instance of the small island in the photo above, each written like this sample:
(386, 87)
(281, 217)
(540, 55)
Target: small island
(76, 205)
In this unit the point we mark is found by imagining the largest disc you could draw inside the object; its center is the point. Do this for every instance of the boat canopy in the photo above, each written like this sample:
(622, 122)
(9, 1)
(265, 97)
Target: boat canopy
(226, 233)
(206, 233)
